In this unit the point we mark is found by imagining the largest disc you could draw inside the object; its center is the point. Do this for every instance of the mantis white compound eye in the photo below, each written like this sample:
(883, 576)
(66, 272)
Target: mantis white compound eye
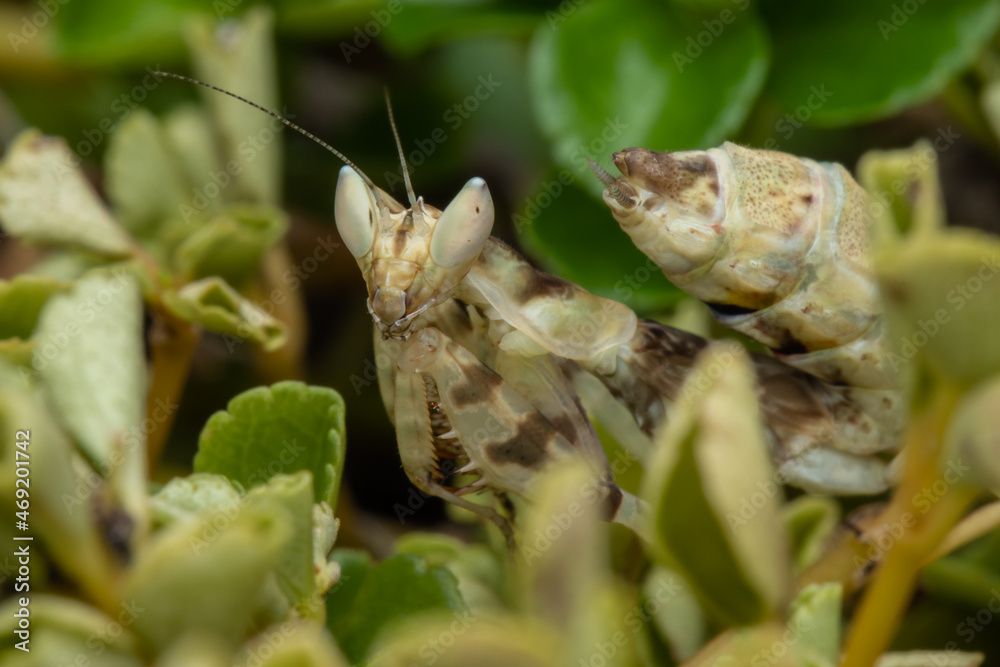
(355, 212)
(464, 226)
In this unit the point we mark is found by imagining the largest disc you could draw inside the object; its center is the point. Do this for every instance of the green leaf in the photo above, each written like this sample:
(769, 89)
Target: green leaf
(960, 581)
(417, 26)
(858, 60)
(564, 578)
(680, 621)
(283, 428)
(213, 304)
(713, 461)
(206, 575)
(302, 644)
(294, 494)
(815, 615)
(122, 31)
(940, 293)
(486, 640)
(185, 497)
(810, 520)
(354, 567)
(67, 500)
(242, 59)
(63, 629)
(972, 441)
(143, 178)
(930, 659)
(624, 73)
(230, 244)
(476, 566)
(565, 229)
(905, 188)
(90, 355)
(396, 588)
(46, 199)
(21, 301)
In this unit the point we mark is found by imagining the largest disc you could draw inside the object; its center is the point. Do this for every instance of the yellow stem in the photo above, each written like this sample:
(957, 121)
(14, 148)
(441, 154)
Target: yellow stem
(924, 524)
(173, 342)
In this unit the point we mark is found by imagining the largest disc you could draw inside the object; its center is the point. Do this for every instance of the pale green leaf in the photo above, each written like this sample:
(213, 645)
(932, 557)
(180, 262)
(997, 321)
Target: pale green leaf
(815, 617)
(206, 575)
(486, 641)
(142, 174)
(972, 442)
(90, 355)
(940, 293)
(66, 502)
(63, 629)
(215, 305)
(46, 199)
(711, 460)
(930, 659)
(905, 189)
(240, 57)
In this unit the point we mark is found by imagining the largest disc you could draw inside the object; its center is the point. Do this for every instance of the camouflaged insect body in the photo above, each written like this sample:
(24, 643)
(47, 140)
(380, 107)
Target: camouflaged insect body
(777, 246)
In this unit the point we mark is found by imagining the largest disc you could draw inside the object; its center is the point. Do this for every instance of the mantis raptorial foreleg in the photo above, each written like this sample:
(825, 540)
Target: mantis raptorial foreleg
(490, 428)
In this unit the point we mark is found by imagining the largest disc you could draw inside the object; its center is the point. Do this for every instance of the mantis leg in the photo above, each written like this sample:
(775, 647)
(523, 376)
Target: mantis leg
(504, 438)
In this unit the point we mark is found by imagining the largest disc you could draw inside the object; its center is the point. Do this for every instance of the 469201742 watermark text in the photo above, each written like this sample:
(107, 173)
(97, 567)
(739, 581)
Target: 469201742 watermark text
(22, 540)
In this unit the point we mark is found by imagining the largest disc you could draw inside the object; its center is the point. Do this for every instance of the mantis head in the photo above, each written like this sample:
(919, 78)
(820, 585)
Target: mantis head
(411, 257)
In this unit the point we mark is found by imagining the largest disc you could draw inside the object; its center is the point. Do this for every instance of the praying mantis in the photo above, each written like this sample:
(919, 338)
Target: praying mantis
(491, 356)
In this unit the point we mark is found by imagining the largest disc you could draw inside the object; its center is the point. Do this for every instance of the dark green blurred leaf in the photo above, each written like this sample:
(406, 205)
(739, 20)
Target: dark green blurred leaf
(354, 567)
(393, 590)
(21, 300)
(810, 520)
(283, 428)
(417, 26)
(575, 237)
(123, 31)
(856, 60)
(633, 73)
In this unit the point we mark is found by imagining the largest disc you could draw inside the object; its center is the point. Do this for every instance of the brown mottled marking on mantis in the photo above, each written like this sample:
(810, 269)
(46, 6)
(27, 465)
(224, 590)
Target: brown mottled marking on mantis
(481, 385)
(691, 181)
(527, 447)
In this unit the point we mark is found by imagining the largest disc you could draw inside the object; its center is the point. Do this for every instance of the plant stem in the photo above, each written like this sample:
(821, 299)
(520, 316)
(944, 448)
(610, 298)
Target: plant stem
(173, 342)
(884, 604)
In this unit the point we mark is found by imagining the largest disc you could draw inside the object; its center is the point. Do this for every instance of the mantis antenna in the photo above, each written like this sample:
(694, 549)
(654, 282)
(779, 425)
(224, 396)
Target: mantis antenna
(302, 131)
(399, 147)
